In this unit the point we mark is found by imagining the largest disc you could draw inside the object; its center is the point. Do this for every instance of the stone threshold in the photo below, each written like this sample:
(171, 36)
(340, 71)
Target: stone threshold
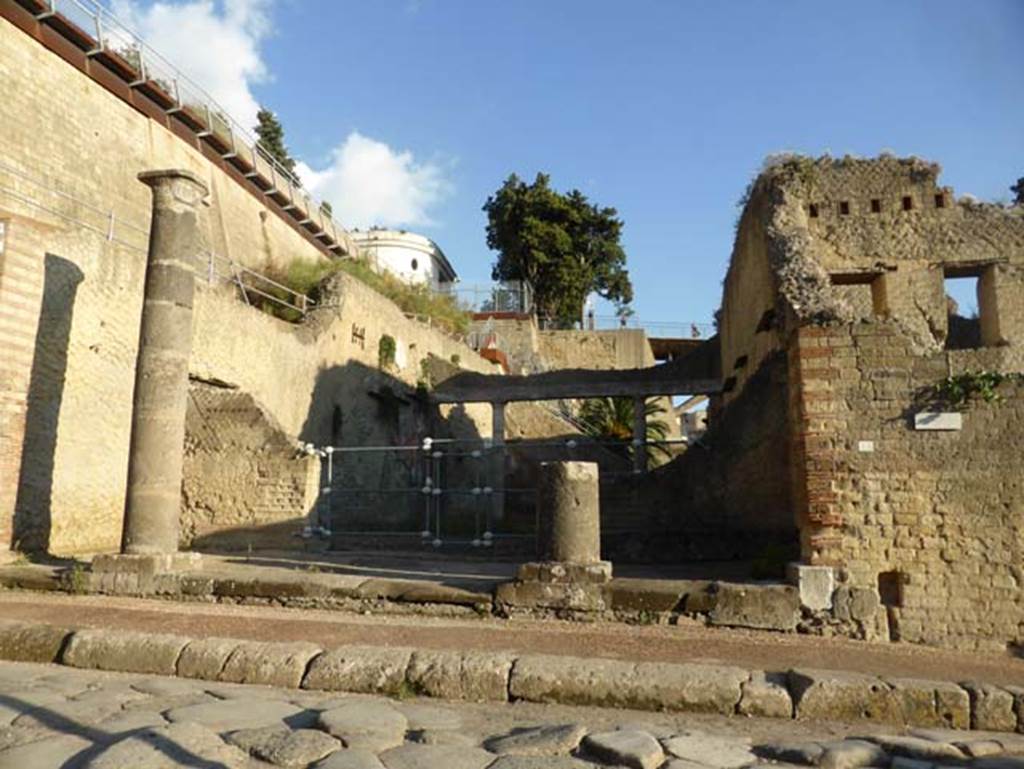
(758, 606)
(547, 679)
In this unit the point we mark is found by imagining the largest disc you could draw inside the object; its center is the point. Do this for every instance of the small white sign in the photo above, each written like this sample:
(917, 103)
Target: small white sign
(866, 447)
(938, 420)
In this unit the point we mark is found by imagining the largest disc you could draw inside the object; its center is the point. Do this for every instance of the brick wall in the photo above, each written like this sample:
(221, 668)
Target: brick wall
(933, 520)
(20, 293)
(246, 483)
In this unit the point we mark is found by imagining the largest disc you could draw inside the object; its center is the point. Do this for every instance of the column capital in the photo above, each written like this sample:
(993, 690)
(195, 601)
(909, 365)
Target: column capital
(184, 186)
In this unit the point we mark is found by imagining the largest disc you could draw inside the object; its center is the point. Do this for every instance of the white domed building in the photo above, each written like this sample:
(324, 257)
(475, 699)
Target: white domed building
(411, 257)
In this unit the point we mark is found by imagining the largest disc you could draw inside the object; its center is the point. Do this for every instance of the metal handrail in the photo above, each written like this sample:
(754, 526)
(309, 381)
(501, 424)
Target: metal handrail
(112, 36)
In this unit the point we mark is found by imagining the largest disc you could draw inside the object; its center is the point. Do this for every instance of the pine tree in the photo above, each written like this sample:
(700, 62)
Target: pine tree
(271, 134)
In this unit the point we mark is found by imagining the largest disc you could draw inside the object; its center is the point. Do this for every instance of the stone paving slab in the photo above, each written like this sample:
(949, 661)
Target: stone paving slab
(121, 721)
(501, 676)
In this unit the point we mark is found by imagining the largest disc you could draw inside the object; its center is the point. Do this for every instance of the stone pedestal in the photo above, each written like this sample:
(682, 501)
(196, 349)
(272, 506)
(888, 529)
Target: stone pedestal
(153, 501)
(570, 574)
(136, 574)
(815, 585)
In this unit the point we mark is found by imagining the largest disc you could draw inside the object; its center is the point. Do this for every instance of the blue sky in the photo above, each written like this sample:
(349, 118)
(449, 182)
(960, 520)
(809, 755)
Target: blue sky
(661, 109)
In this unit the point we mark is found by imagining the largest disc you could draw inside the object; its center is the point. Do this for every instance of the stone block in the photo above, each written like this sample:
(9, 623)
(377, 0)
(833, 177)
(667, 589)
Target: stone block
(205, 658)
(271, 664)
(538, 741)
(577, 596)
(991, 707)
(655, 595)
(837, 696)
(364, 669)
(454, 675)
(124, 651)
(855, 604)
(852, 754)
(597, 573)
(765, 607)
(814, 584)
(766, 695)
(613, 683)
(415, 756)
(25, 642)
(932, 703)
(625, 747)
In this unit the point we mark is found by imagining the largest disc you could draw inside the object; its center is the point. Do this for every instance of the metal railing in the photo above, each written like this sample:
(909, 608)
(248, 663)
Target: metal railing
(111, 38)
(670, 329)
(253, 286)
(506, 296)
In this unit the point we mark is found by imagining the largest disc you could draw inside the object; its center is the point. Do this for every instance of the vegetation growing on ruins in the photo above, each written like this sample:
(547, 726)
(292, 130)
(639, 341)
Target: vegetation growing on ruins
(386, 351)
(418, 300)
(959, 390)
(308, 278)
(1018, 191)
(611, 419)
(566, 246)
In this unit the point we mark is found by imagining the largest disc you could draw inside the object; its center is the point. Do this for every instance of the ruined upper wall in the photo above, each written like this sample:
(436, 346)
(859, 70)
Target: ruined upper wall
(842, 240)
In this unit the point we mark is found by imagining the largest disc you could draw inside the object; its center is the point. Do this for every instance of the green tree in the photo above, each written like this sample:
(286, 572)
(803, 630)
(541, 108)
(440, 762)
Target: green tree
(271, 138)
(611, 419)
(563, 244)
(1018, 190)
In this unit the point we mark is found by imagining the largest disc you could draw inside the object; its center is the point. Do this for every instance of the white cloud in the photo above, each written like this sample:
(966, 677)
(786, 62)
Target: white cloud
(368, 183)
(216, 44)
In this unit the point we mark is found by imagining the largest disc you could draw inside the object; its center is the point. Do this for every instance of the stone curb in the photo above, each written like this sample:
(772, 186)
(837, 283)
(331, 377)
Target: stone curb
(503, 677)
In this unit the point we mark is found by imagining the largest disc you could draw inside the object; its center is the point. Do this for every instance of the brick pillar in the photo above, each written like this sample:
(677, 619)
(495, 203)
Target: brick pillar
(153, 506)
(21, 290)
(816, 356)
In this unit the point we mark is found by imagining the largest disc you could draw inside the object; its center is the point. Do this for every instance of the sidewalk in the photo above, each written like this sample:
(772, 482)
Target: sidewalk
(604, 640)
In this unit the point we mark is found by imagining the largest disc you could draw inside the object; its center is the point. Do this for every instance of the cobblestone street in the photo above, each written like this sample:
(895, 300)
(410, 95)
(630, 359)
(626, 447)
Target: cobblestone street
(52, 716)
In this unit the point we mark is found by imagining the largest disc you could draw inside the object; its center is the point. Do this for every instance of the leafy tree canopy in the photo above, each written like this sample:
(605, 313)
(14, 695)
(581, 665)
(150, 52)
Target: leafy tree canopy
(271, 137)
(1018, 190)
(566, 246)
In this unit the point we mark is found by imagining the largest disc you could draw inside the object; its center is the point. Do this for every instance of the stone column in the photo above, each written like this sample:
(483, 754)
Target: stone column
(639, 434)
(498, 473)
(570, 574)
(151, 518)
(569, 501)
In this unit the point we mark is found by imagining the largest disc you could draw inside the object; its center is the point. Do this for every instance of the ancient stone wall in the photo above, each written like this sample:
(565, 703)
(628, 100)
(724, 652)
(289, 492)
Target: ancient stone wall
(616, 349)
(933, 520)
(247, 483)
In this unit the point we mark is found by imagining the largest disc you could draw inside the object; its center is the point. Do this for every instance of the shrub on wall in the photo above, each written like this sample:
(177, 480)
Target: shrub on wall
(386, 351)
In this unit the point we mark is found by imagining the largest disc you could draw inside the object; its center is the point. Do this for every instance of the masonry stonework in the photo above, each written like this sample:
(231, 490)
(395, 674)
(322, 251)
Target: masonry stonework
(839, 268)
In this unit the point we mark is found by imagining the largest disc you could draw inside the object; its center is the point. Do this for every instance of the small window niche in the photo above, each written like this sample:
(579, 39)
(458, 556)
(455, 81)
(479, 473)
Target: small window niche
(864, 291)
(908, 203)
(876, 206)
(812, 210)
(940, 200)
(844, 207)
(970, 306)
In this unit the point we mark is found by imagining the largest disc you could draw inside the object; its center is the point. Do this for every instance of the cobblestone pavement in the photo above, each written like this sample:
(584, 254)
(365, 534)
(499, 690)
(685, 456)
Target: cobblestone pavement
(53, 716)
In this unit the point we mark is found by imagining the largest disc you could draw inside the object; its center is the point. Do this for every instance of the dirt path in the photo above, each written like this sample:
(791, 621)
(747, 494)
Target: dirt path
(682, 643)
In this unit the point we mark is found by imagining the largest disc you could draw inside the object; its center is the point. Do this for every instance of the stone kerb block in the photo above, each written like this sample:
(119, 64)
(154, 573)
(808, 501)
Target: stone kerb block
(765, 607)
(360, 669)
(814, 584)
(24, 642)
(614, 683)
(271, 664)
(840, 696)
(457, 675)
(124, 651)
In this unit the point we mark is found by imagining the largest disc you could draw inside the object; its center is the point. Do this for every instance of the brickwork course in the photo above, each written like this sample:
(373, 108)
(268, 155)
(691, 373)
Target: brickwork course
(836, 296)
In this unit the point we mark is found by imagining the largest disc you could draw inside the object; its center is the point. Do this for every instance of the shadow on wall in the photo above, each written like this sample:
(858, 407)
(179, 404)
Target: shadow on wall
(374, 489)
(32, 513)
